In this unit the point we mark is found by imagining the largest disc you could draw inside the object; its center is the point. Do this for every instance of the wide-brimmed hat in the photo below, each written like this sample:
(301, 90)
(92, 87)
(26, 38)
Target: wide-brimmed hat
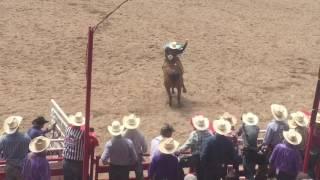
(39, 121)
(39, 144)
(174, 45)
(221, 126)
(250, 119)
(231, 118)
(279, 112)
(299, 118)
(131, 121)
(168, 146)
(116, 128)
(11, 124)
(200, 122)
(292, 124)
(292, 136)
(77, 119)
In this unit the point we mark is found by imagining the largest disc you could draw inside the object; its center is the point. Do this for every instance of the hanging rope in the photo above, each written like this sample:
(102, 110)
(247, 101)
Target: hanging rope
(108, 15)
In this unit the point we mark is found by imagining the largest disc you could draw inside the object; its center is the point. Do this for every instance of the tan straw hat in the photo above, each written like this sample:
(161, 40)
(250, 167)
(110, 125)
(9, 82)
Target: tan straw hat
(200, 122)
(77, 119)
(39, 144)
(279, 112)
(250, 119)
(168, 146)
(231, 118)
(131, 121)
(11, 124)
(299, 118)
(292, 136)
(116, 128)
(292, 124)
(222, 126)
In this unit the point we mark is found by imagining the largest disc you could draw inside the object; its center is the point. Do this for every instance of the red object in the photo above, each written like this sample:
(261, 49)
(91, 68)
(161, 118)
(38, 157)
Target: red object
(312, 125)
(85, 173)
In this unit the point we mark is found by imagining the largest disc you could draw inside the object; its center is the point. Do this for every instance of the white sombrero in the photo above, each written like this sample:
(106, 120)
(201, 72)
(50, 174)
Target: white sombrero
(200, 122)
(221, 126)
(279, 112)
(250, 119)
(231, 118)
(292, 124)
(173, 45)
(39, 144)
(116, 128)
(11, 124)
(300, 118)
(77, 119)
(292, 136)
(131, 121)
(168, 146)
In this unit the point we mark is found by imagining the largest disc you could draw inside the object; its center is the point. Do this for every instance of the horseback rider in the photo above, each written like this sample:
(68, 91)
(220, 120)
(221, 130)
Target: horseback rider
(172, 51)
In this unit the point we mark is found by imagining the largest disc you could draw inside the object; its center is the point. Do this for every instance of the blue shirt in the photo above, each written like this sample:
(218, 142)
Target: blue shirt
(35, 132)
(14, 147)
(274, 133)
(164, 166)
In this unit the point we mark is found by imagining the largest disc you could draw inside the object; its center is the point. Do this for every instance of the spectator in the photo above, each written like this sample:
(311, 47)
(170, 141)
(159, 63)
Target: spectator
(300, 125)
(120, 152)
(36, 165)
(218, 151)
(165, 165)
(249, 132)
(14, 146)
(195, 142)
(190, 177)
(131, 123)
(73, 148)
(276, 127)
(36, 129)
(165, 132)
(286, 158)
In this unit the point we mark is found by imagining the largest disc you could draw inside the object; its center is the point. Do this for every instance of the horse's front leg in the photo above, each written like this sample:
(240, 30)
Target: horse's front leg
(169, 95)
(179, 95)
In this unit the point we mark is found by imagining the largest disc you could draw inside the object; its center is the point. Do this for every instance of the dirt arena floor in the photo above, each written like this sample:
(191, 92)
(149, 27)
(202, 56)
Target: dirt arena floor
(242, 56)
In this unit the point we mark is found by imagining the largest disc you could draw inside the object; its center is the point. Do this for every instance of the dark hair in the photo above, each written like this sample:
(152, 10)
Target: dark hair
(40, 120)
(166, 130)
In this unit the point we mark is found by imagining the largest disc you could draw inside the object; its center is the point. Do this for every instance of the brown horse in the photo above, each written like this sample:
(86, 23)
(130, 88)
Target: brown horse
(172, 79)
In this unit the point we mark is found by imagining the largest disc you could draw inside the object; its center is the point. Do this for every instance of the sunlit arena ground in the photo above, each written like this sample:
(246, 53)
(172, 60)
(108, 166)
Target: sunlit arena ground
(243, 55)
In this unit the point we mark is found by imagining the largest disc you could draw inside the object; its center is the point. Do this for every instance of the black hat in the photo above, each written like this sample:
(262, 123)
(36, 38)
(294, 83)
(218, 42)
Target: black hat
(39, 121)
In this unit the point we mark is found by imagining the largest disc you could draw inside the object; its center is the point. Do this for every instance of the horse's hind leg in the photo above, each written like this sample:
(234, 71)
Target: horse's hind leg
(172, 90)
(169, 95)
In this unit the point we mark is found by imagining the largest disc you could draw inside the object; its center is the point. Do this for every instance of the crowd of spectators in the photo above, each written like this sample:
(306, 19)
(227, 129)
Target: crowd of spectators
(212, 150)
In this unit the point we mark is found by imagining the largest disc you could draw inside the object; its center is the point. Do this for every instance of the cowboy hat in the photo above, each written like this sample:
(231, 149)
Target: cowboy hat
(292, 124)
(222, 126)
(77, 119)
(279, 112)
(168, 146)
(39, 121)
(200, 122)
(173, 45)
(299, 118)
(39, 144)
(116, 128)
(231, 118)
(250, 119)
(131, 121)
(11, 124)
(292, 136)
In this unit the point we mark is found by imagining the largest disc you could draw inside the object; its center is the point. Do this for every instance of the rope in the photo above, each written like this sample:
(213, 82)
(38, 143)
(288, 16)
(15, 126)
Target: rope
(108, 15)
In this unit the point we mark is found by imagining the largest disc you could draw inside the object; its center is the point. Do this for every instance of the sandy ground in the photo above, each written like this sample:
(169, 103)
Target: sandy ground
(243, 55)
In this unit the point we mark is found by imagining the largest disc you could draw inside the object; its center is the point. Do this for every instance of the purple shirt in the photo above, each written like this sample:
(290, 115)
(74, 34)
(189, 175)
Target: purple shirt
(36, 167)
(164, 166)
(286, 158)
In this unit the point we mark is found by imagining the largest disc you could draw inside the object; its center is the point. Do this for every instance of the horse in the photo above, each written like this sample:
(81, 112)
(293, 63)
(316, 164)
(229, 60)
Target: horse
(172, 79)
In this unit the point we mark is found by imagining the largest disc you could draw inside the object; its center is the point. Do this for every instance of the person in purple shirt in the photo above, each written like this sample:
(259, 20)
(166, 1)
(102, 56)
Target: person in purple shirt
(37, 126)
(286, 158)
(36, 165)
(165, 165)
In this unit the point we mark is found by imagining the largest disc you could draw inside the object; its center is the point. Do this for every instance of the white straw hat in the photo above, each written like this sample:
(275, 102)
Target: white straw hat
(279, 112)
(116, 128)
(11, 124)
(39, 144)
(173, 45)
(222, 126)
(200, 122)
(300, 118)
(250, 119)
(77, 119)
(292, 136)
(292, 124)
(168, 146)
(131, 121)
(231, 118)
